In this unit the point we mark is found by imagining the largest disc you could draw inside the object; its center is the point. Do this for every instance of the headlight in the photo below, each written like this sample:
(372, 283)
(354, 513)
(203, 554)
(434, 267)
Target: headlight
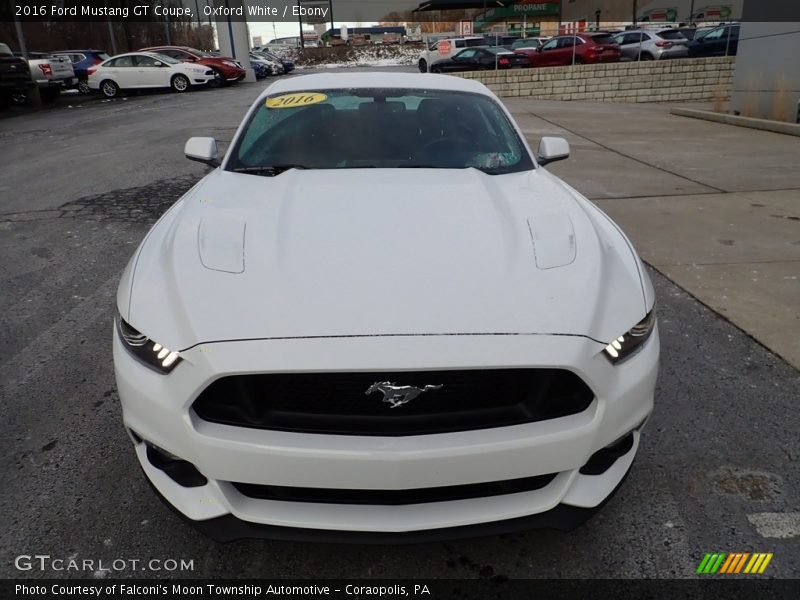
(150, 352)
(230, 63)
(625, 345)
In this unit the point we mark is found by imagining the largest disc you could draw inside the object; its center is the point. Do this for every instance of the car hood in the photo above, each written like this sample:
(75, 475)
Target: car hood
(381, 252)
(217, 59)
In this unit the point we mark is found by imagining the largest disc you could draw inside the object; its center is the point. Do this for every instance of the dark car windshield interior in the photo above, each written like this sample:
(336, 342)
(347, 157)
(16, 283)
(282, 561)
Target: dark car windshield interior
(381, 128)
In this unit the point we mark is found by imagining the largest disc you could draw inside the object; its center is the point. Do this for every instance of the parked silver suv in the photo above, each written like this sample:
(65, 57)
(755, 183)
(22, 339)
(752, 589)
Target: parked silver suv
(651, 44)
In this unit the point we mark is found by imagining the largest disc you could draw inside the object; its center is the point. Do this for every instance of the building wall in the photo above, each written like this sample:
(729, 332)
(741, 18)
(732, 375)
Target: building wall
(684, 80)
(767, 80)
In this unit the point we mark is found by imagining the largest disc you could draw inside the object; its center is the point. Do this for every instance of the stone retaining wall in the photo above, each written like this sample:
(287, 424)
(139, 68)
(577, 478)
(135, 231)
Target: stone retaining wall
(690, 79)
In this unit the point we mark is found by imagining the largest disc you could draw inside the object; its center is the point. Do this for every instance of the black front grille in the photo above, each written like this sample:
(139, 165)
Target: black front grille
(394, 497)
(337, 403)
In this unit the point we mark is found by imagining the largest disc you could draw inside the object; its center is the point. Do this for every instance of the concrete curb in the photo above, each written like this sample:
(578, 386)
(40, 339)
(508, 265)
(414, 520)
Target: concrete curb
(763, 124)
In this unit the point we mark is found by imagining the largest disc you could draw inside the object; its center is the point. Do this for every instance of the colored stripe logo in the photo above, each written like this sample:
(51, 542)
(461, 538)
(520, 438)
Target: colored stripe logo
(734, 563)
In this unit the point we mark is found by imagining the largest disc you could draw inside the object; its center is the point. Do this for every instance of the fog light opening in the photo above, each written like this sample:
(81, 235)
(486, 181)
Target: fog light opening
(602, 460)
(180, 471)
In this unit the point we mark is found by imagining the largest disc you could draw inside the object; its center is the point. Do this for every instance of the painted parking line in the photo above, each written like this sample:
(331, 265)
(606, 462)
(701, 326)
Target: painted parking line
(776, 525)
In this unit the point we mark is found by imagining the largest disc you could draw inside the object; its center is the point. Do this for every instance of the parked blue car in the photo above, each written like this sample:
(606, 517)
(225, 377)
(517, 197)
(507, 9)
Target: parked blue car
(287, 65)
(81, 61)
(260, 69)
(722, 41)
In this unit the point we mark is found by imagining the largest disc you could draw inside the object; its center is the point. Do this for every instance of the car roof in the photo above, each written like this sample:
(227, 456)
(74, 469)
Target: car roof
(137, 53)
(81, 50)
(425, 81)
(653, 31)
(173, 47)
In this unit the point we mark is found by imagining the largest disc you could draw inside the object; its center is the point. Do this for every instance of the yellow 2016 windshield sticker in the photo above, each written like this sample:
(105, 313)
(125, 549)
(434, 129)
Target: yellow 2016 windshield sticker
(296, 100)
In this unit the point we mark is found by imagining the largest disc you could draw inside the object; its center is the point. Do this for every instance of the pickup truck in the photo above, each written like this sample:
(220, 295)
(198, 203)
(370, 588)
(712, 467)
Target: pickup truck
(445, 48)
(15, 77)
(51, 73)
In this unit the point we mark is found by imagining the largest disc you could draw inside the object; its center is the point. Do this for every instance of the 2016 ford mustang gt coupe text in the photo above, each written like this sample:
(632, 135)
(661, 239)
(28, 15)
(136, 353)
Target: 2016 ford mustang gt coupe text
(380, 319)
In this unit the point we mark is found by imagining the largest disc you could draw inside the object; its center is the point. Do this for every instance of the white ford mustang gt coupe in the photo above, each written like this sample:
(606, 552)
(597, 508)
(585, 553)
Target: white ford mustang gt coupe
(380, 319)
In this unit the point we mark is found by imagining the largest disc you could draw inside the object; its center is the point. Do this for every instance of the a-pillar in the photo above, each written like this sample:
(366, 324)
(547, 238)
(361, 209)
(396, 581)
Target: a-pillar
(232, 34)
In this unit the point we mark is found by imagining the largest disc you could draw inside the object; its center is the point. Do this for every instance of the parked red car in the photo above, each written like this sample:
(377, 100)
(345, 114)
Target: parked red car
(226, 70)
(587, 48)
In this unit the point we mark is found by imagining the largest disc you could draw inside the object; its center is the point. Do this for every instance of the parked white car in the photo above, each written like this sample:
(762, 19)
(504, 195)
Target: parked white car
(138, 70)
(379, 318)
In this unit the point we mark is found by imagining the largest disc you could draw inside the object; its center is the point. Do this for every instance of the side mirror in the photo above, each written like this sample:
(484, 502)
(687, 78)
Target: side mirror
(202, 149)
(552, 149)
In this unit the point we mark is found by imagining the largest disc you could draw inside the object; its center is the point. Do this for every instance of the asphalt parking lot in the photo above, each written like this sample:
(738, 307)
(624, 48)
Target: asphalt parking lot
(719, 464)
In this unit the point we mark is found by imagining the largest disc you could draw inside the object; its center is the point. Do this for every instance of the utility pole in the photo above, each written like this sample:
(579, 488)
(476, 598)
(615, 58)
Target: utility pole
(34, 97)
(23, 48)
(113, 37)
(300, 24)
(166, 25)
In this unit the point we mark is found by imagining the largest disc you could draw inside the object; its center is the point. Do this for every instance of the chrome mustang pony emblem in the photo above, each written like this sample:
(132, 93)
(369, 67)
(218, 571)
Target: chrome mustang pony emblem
(397, 395)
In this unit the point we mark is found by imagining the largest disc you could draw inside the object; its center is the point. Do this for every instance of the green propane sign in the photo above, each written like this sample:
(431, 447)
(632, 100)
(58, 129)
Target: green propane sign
(518, 10)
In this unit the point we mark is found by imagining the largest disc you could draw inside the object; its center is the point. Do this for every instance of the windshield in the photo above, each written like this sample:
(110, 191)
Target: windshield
(167, 59)
(671, 34)
(603, 38)
(382, 128)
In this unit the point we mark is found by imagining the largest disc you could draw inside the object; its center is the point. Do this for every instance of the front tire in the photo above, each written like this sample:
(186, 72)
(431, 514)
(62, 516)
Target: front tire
(179, 83)
(219, 79)
(423, 65)
(109, 89)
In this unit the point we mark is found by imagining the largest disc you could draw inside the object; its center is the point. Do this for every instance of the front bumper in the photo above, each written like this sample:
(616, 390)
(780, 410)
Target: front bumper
(158, 409)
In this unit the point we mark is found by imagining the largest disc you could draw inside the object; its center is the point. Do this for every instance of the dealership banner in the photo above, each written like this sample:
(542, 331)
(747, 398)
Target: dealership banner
(364, 11)
(484, 587)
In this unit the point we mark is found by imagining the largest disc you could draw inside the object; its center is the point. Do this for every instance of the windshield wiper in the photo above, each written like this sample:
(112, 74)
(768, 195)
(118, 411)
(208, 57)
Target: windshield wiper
(424, 167)
(498, 170)
(268, 170)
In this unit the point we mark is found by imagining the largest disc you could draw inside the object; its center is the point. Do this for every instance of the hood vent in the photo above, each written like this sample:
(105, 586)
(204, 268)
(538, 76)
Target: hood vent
(553, 240)
(220, 241)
